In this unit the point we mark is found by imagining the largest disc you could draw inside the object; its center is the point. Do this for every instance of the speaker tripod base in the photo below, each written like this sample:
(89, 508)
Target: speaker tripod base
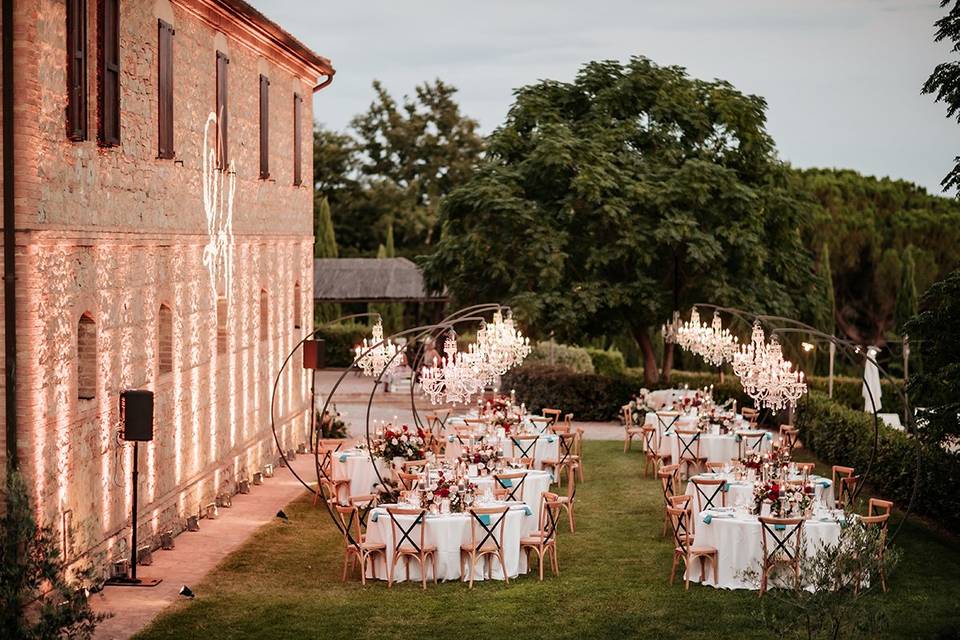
(133, 582)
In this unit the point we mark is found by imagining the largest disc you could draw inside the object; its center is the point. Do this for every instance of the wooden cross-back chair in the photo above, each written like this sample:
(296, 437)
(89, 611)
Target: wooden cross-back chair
(751, 440)
(356, 548)
(409, 543)
(509, 486)
(487, 525)
(789, 434)
(844, 485)
(669, 476)
(543, 542)
(782, 543)
(525, 447)
(684, 549)
(688, 441)
(709, 493)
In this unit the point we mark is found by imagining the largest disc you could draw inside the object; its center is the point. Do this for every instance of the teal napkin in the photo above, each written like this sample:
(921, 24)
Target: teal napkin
(823, 482)
(484, 518)
(505, 482)
(527, 510)
(780, 527)
(738, 438)
(373, 516)
(725, 487)
(551, 439)
(343, 457)
(451, 438)
(769, 436)
(707, 519)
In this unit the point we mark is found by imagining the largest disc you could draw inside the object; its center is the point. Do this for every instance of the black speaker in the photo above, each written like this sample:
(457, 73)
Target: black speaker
(136, 414)
(314, 354)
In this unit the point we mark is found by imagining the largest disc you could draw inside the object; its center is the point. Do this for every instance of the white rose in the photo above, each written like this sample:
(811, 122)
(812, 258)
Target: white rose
(394, 442)
(430, 495)
(404, 438)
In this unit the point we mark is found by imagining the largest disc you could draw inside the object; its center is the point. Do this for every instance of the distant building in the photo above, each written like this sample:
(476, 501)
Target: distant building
(163, 185)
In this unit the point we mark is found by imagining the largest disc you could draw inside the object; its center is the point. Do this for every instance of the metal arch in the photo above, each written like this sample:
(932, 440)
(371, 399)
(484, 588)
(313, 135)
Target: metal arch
(849, 350)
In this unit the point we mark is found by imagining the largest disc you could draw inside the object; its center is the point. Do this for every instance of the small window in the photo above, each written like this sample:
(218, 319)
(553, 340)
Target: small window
(165, 339)
(221, 325)
(297, 142)
(108, 74)
(297, 307)
(165, 34)
(264, 127)
(264, 315)
(86, 358)
(223, 116)
(77, 69)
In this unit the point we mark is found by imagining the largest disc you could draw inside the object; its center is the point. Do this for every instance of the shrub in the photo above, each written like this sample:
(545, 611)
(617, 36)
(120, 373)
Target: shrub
(845, 436)
(606, 362)
(340, 340)
(554, 354)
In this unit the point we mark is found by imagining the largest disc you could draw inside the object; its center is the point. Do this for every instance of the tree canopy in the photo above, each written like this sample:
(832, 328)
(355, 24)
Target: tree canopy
(393, 166)
(944, 82)
(607, 202)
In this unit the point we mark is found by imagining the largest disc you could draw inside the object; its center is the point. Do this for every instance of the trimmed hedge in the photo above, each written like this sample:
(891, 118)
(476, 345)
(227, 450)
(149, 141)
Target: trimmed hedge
(608, 363)
(845, 436)
(550, 353)
(340, 340)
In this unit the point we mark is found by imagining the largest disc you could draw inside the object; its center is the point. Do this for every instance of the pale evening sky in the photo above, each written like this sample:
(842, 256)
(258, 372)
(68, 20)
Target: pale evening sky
(841, 77)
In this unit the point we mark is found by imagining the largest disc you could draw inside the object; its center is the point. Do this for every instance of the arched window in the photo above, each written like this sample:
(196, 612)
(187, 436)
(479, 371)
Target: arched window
(297, 307)
(165, 339)
(264, 314)
(86, 358)
(221, 325)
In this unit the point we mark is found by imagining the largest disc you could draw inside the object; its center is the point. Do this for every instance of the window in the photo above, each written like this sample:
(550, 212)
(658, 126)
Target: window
(221, 325)
(77, 69)
(108, 74)
(264, 315)
(86, 358)
(165, 339)
(297, 306)
(164, 90)
(264, 126)
(297, 107)
(223, 117)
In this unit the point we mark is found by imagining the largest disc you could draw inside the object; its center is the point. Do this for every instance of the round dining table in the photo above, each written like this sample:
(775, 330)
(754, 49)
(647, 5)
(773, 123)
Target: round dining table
(546, 448)
(740, 492)
(737, 538)
(447, 532)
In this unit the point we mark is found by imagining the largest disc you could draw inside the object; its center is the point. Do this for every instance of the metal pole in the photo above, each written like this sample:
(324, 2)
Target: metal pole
(133, 514)
(833, 353)
(906, 372)
(313, 410)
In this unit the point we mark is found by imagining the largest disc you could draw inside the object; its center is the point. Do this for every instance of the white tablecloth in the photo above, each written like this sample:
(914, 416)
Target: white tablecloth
(355, 466)
(739, 547)
(534, 485)
(740, 492)
(447, 532)
(713, 447)
(548, 448)
(668, 397)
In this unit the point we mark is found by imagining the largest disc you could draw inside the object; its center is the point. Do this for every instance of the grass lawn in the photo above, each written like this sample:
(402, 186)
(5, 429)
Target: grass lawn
(285, 583)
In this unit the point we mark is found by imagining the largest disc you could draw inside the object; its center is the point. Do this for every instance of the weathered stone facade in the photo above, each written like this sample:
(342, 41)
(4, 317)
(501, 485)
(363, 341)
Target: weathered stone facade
(112, 235)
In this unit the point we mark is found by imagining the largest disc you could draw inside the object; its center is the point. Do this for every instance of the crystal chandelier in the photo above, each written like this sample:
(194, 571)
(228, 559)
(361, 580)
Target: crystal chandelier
(719, 345)
(501, 344)
(670, 329)
(691, 334)
(377, 356)
(781, 385)
(457, 377)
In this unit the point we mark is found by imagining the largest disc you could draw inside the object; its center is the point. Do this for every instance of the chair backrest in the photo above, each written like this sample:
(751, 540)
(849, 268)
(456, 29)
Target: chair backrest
(329, 492)
(364, 504)
(709, 493)
(689, 441)
(408, 537)
(751, 440)
(716, 467)
(805, 468)
(876, 506)
(781, 539)
(486, 526)
(666, 420)
(669, 477)
(525, 446)
(843, 483)
(750, 414)
(878, 524)
(511, 484)
(566, 445)
(559, 427)
(408, 481)
(549, 515)
(788, 434)
(627, 416)
(552, 414)
(681, 502)
(680, 520)
(651, 440)
(474, 424)
(540, 424)
(520, 461)
(414, 465)
(350, 524)
(334, 444)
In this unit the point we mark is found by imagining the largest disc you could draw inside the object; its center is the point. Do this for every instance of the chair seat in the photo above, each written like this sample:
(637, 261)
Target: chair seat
(564, 499)
(635, 430)
(702, 551)
(368, 546)
(470, 548)
(425, 549)
(535, 540)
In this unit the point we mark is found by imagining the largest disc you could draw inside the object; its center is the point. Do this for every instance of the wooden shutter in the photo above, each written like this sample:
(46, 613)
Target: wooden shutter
(77, 69)
(164, 90)
(264, 126)
(223, 117)
(109, 72)
(297, 107)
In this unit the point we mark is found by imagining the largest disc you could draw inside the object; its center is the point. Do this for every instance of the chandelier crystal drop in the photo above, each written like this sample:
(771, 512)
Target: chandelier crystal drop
(781, 385)
(377, 356)
(457, 377)
(719, 345)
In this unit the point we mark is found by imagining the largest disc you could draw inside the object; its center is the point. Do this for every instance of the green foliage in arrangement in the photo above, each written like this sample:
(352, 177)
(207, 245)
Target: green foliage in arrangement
(394, 164)
(935, 390)
(36, 600)
(871, 227)
(554, 354)
(604, 203)
(608, 362)
(340, 340)
(845, 436)
(844, 599)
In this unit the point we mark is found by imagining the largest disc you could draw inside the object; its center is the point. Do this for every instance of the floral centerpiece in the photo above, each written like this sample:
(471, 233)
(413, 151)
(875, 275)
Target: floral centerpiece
(331, 424)
(752, 460)
(786, 500)
(715, 415)
(501, 413)
(639, 407)
(460, 493)
(484, 455)
(404, 442)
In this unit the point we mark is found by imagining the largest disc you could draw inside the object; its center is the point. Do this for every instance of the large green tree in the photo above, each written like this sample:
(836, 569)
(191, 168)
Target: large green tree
(868, 224)
(392, 167)
(607, 202)
(944, 82)
(936, 332)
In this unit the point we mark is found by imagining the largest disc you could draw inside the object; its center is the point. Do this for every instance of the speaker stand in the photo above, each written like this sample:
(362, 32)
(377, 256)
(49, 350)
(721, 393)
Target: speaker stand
(132, 580)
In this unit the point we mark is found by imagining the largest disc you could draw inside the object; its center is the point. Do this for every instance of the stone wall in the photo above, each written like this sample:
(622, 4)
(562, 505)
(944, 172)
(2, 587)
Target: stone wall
(114, 234)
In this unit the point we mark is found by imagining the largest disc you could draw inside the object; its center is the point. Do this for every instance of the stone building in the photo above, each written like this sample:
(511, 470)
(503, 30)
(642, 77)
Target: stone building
(163, 232)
